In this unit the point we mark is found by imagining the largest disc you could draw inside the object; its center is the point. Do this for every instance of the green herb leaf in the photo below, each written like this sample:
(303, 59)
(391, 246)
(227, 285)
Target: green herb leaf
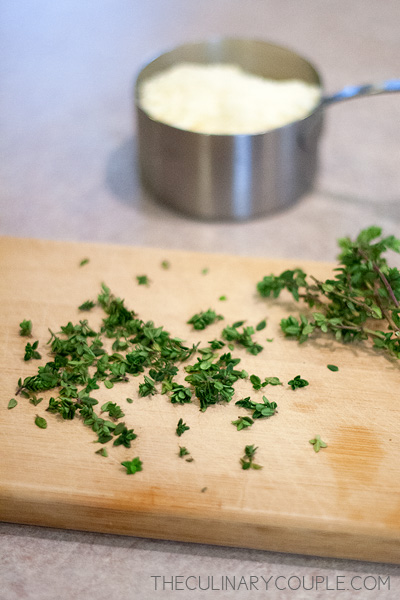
(40, 422)
(102, 452)
(333, 367)
(261, 325)
(12, 403)
(84, 262)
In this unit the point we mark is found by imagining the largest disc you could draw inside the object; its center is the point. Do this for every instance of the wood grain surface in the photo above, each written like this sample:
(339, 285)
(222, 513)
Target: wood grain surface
(342, 502)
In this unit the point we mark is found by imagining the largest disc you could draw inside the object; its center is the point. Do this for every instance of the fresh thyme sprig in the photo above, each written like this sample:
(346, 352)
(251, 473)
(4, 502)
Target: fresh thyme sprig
(364, 292)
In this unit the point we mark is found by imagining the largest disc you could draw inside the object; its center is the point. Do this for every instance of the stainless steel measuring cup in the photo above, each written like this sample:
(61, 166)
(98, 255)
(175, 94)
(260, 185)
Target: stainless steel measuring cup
(235, 177)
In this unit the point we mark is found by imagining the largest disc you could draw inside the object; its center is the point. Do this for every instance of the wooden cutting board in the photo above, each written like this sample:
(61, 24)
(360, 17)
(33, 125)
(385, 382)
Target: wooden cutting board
(342, 502)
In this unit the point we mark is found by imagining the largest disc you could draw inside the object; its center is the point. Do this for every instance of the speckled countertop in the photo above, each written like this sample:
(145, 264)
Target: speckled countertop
(68, 171)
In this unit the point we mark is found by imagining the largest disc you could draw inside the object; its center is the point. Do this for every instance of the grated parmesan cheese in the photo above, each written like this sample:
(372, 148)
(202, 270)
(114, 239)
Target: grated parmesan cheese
(224, 99)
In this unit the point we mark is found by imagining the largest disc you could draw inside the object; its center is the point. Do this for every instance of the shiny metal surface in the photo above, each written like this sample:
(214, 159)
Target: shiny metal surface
(351, 92)
(232, 177)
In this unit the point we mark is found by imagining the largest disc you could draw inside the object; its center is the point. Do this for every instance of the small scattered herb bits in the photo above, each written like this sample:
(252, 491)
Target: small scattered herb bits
(333, 367)
(12, 403)
(84, 262)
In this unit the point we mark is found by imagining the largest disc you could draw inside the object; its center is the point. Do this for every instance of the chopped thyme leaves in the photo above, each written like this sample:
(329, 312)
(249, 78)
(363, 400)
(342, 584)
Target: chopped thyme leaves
(33, 399)
(317, 443)
(180, 394)
(297, 382)
(132, 466)
(258, 384)
(243, 338)
(260, 410)
(333, 367)
(181, 427)
(247, 461)
(202, 319)
(102, 452)
(142, 280)
(124, 437)
(31, 351)
(147, 388)
(88, 305)
(242, 423)
(25, 328)
(12, 403)
(83, 262)
(114, 411)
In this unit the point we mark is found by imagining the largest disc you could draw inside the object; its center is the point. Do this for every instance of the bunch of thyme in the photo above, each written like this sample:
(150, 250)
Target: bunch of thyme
(361, 301)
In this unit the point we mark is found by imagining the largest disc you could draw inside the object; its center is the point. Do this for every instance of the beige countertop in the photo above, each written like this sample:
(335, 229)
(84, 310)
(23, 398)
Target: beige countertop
(69, 172)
